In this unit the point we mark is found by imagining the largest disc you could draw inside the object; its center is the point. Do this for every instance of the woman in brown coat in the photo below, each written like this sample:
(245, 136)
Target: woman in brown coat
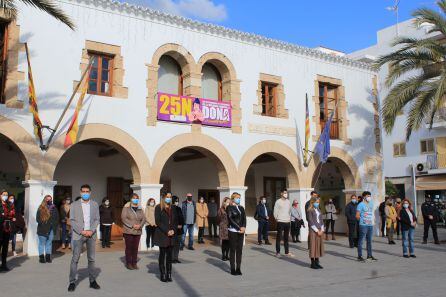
(316, 229)
(223, 224)
(133, 220)
(202, 218)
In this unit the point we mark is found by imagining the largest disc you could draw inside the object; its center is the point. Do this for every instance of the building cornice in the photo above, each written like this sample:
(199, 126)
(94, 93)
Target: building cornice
(186, 23)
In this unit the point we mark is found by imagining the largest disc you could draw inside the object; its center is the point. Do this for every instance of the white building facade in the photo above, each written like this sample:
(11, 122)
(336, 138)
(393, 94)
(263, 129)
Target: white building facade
(125, 145)
(417, 167)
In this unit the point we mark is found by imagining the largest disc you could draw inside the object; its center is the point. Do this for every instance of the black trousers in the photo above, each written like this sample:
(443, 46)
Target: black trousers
(262, 230)
(105, 235)
(430, 223)
(353, 234)
(4, 243)
(176, 247)
(165, 259)
(398, 227)
(236, 248)
(329, 223)
(295, 231)
(225, 247)
(383, 225)
(283, 230)
(212, 221)
(200, 234)
(150, 232)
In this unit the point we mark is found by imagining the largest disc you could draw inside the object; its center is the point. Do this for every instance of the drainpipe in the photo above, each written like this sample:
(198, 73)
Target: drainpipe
(414, 183)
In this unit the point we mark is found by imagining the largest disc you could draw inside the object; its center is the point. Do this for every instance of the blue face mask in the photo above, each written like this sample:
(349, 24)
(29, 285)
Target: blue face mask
(237, 200)
(135, 200)
(406, 205)
(316, 204)
(85, 196)
(354, 201)
(168, 200)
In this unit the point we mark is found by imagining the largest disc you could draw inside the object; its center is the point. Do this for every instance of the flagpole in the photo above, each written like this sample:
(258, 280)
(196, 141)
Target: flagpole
(53, 132)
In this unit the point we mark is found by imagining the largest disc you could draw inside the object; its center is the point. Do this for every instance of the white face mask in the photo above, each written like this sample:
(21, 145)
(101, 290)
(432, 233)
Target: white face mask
(264, 201)
(285, 195)
(11, 201)
(176, 203)
(368, 198)
(227, 203)
(4, 197)
(107, 203)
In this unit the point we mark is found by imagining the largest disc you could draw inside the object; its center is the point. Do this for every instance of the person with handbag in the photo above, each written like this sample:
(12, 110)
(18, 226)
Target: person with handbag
(262, 216)
(202, 218)
(296, 221)
(7, 219)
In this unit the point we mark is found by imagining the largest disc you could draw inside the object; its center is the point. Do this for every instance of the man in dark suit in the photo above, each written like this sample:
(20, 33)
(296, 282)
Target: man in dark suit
(352, 222)
(430, 217)
(262, 216)
(84, 219)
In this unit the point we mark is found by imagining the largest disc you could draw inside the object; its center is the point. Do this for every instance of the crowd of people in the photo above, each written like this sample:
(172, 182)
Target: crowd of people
(168, 223)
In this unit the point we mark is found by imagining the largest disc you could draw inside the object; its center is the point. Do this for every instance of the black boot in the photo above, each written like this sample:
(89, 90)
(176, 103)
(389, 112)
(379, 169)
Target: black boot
(48, 258)
(163, 276)
(41, 259)
(169, 272)
(313, 264)
(317, 264)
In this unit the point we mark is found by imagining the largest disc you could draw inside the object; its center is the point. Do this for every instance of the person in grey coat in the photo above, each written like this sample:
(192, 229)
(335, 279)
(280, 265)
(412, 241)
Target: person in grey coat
(84, 219)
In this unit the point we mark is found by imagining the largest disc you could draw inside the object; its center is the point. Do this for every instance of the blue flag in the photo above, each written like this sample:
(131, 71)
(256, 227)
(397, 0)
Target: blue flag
(323, 145)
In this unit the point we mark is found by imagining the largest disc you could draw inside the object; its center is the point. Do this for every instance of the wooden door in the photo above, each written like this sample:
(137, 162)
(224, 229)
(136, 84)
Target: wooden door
(208, 194)
(118, 192)
(271, 190)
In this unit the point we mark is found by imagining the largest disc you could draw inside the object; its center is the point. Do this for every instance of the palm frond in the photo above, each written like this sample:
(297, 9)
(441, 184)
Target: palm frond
(427, 15)
(52, 9)
(9, 9)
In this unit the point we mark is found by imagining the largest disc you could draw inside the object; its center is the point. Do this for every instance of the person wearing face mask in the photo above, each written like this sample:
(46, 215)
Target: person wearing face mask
(84, 220)
(408, 224)
(398, 207)
(391, 217)
(352, 222)
(189, 210)
(133, 219)
(316, 232)
(296, 221)
(165, 234)
(47, 221)
(107, 219)
(150, 223)
(236, 233)
(262, 216)
(14, 229)
(282, 214)
(212, 218)
(64, 216)
(179, 233)
(430, 217)
(223, 225)
(313, 194)
(7, 218)
(364, 213)
(202, 218)
(330, 218)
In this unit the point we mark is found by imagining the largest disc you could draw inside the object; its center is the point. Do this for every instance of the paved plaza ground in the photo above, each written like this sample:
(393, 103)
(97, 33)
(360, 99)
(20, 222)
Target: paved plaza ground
(202, 273)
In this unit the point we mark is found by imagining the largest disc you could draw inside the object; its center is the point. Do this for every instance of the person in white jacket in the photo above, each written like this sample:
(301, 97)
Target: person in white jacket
(282, 214)
(330, 218)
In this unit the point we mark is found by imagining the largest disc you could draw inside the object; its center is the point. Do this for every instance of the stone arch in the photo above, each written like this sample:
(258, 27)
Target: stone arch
(189, 71)
(347, 166)
(206, 145)
(230, 84)
(25, 144)
(283, 153)
(115, 137)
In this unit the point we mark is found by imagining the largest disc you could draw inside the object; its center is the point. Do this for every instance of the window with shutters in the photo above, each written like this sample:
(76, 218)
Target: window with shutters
(269, 99)
(427, 146)
(399, 149)
(101, 73)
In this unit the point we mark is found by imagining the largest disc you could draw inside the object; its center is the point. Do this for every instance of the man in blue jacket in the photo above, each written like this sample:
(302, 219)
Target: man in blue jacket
(352, 222)
(189, 211)
(262, 216)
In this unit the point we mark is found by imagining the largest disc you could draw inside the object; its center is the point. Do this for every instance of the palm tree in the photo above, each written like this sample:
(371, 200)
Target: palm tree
(417, 73)
(9, 8)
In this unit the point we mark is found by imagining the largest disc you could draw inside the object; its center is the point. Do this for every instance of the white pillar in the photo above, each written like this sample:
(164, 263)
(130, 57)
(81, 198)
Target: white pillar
(35, 190)
(146, 191)
(302, 195)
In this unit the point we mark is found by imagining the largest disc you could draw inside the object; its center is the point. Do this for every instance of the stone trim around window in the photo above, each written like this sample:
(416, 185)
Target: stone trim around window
(13, 74)
(117, 85)
(277, 80)
(342, 108)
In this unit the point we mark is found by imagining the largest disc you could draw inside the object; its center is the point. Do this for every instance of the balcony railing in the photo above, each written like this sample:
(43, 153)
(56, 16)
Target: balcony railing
(436, 161)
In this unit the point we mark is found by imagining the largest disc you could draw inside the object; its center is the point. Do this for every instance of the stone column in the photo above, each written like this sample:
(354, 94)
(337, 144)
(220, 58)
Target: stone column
(35, 190)
(302, 195)
(146, 191)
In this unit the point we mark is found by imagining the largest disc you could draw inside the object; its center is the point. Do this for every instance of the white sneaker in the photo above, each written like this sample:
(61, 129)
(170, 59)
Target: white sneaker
(14, 253)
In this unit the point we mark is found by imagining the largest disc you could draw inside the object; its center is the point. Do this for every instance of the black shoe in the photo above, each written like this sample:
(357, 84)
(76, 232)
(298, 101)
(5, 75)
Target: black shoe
(94, 285)
(233, 272)
(178, 261)
(71, 287)
(48, 258)
(129, 267)
(413, 256)
(181, 248)
(169, 277)
(42, 259)
(318, 265)
(225, 259)
(405, 256)
(268, 243)
(371, 258)
(4, 268)
(393, 242)
(298, 241)
(437, 242)
(103, 246)
(351, 246)
(191, 248)
(259, 243)
(313, 264)
(238, 272)
(424, 242)
(163, 277)
(361, 259)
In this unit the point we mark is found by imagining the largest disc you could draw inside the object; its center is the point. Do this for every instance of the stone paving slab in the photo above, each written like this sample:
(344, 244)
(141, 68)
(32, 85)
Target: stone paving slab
(202, 273)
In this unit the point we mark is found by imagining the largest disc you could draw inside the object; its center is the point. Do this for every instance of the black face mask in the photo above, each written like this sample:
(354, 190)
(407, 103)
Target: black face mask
(189, 198)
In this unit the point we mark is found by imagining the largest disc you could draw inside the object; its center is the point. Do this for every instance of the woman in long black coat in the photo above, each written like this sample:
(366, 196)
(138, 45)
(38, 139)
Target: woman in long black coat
(166, 220)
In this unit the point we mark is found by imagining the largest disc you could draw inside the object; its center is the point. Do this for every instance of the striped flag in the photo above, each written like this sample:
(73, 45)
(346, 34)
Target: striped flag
(33, 101)
(307, 130)
(73, 130)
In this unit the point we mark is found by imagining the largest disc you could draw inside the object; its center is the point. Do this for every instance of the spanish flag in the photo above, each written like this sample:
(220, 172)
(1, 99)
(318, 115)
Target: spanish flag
(33, 101)
(73, 130)
(307, 130)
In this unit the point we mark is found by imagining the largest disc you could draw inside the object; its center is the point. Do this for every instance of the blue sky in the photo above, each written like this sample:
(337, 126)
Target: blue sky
(345, 25)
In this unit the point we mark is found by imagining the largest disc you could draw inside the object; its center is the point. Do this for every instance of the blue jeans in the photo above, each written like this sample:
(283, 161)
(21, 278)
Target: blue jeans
(408, 241)
(189, 228)
(46, 244)
(65, 236)
(367, 232)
